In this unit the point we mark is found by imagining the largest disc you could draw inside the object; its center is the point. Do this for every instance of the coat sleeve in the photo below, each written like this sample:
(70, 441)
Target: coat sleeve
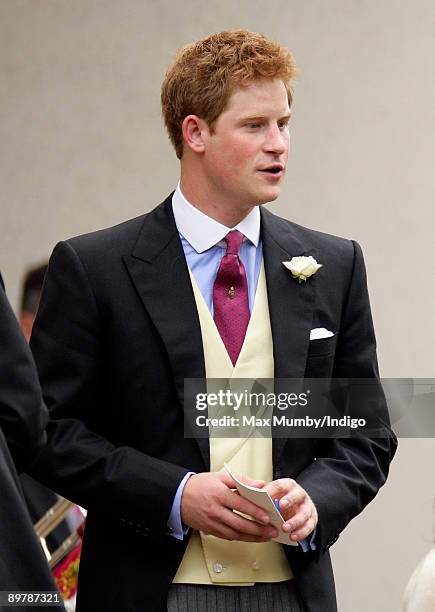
(23, 416)
(348, 472)
(69, 344)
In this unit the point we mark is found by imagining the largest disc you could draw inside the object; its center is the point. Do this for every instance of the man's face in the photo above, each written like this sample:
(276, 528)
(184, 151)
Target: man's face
(246, 154)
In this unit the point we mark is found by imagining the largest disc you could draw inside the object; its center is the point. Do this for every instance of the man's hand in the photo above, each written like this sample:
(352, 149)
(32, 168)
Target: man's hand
(208, 502)
(296, 506)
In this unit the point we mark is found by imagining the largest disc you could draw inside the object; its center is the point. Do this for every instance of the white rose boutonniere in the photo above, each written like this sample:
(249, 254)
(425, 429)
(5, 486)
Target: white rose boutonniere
(302, 267)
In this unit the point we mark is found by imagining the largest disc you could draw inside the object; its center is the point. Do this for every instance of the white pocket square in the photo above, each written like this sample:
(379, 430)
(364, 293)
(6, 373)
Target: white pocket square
(320, 332)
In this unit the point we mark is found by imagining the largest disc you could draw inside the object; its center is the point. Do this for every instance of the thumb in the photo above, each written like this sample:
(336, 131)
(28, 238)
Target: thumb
(251, 482)
(226, 479)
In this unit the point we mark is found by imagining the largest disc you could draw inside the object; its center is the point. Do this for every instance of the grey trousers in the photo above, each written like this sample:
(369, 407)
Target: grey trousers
(262, 597)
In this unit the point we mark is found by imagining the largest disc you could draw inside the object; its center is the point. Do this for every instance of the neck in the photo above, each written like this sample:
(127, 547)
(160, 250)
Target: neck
(201, 194)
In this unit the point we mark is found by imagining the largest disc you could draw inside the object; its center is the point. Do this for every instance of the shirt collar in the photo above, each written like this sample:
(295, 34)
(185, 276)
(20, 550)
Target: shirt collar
(203, 232)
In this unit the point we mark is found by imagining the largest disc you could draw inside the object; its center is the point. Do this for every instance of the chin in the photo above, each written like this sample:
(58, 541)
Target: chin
(268, 196)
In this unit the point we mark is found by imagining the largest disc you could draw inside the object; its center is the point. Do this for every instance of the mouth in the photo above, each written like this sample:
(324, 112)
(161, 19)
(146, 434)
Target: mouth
(275, 170)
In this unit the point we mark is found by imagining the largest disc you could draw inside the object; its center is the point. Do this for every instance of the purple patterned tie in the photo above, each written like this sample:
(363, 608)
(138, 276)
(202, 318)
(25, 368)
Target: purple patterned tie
(230, 297)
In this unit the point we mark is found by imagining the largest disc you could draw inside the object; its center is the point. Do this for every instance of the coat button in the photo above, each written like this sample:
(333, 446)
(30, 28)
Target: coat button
(218, 567)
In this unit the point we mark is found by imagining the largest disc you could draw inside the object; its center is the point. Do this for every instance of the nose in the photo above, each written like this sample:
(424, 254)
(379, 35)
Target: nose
(276, 141)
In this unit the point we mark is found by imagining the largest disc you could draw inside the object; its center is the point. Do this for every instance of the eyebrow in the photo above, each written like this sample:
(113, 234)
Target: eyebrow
(262, 117)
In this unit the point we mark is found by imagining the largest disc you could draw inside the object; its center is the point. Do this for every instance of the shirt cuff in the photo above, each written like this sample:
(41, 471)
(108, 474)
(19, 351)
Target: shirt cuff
(176, 528)
(309, 543)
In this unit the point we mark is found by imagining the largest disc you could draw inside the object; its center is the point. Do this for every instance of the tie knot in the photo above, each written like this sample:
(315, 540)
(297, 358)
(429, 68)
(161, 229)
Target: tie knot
(233, 239)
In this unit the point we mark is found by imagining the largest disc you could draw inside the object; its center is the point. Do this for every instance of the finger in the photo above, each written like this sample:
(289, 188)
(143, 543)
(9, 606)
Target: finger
(227, 480)
(219, 530)
(226, 533)
(243, 537)
(248, 527)
(288, 513)
(305, 531)
(230, 526)
(297, 521)
(296, 497)
(259, 484)
(235, 502)
(230, 482)
(280, 487)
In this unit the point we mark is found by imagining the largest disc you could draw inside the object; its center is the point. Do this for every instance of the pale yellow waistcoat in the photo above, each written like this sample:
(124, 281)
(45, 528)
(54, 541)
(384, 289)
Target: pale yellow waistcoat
(211, 560)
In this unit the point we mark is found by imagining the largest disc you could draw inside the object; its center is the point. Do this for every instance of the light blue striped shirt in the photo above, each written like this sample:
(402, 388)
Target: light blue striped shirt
(203, 244)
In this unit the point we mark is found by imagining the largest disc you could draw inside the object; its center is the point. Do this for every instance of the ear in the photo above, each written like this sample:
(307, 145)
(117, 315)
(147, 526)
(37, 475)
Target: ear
(194, 129)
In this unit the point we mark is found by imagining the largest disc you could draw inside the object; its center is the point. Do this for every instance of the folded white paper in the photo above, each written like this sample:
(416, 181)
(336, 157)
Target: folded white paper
(320, 332)
(261, 498)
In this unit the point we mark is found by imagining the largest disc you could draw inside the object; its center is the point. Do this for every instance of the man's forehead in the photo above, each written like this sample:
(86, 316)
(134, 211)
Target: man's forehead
(260, 94)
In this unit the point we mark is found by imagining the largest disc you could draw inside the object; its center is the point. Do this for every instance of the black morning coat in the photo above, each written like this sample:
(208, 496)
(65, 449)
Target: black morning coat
(116, 335)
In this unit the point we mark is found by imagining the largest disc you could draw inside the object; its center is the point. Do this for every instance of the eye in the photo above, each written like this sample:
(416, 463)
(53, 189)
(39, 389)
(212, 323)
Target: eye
(283, 124)
(254, 125)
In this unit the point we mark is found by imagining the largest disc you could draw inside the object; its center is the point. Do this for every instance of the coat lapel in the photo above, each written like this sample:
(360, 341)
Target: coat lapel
(159, 271)
(290, 302)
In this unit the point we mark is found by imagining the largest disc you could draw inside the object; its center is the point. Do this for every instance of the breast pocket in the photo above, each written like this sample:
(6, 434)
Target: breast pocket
(320, 359)
(321, 347)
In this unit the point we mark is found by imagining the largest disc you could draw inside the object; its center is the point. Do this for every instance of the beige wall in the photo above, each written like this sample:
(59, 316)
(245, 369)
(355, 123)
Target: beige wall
(82, 146)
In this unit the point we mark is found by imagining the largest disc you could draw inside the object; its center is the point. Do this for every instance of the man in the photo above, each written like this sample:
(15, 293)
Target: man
(38, 498)
(126, 317)
(30, 296)
(23, 417)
